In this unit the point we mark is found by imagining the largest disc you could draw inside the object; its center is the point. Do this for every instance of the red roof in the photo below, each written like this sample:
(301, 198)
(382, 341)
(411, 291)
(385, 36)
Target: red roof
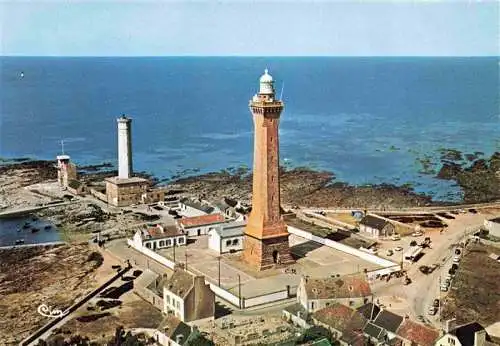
(201, 220)
(417, 333)
(163, 232)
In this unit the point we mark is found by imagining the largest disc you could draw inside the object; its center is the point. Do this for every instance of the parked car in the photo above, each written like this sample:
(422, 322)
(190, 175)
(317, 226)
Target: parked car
(458, 252)
(444, 288)
(395, 237)
(456, 259)
(454, 266)
(417, 234)
(389, 252)
(435, 302)
(398, 248)
(432, 310)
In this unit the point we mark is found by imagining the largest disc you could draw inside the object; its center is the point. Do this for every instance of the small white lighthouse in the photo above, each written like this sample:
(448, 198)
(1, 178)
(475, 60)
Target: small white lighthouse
(124, 147)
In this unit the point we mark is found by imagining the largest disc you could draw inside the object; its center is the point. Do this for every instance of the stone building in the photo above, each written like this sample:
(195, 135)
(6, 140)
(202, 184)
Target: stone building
(66, 170)
(188, 297)
(351, 290)
(266, 235)
(493, 226)
(376, 227)
(124, 192)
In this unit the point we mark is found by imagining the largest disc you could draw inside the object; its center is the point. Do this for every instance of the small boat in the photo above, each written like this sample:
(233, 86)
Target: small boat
(34, 218)
(19, 241)
(34, 230)
(26, 225)
(21, 74)
(47, 227)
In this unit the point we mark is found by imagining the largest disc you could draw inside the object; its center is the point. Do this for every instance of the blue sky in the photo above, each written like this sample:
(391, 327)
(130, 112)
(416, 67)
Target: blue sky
(262, 28)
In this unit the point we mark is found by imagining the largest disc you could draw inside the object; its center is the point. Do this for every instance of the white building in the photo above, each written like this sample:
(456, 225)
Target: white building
(376, 227)
(159, 237)
(173, 332)
(472, 334)
(190, 207)
(493, 226)
(200, 225)
(227, 237)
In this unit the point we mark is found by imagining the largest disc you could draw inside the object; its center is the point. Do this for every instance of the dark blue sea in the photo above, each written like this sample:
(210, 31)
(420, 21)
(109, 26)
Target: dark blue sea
(368, 120)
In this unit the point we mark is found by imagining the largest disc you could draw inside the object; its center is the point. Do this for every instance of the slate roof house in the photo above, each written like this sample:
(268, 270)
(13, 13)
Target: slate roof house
(188, 297)
(159, 237)
(346, 324)
(174, 332)
(194, 207)
(316, 294)
(376, 227)
(471, 334)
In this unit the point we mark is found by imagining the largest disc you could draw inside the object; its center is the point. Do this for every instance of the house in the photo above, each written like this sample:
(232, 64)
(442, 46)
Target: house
(374, 334)
(174, 332)
(369, 311)
(376, 226)
(227, 237)
(471, 334)
(416, 334)
(200, 225)
(297, 315)
(389, 322)
(188, 297)
(159, 237)
(493, 226)
(227, 206)
(191, 207)
(346, 324)
(316, 294)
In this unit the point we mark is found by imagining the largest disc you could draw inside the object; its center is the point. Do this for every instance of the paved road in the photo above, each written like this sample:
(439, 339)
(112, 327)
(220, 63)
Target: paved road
(417, 297)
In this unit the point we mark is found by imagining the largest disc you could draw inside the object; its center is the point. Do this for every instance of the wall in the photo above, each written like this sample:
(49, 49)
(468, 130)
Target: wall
(344, 248)
(267, 298)
(214, 241)
(220, 292)
(193, 231)
(99, 195)
(152, 254)
(150, 296)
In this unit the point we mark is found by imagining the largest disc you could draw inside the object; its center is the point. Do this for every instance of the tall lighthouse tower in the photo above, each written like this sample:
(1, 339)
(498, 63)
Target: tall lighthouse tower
(266, 235)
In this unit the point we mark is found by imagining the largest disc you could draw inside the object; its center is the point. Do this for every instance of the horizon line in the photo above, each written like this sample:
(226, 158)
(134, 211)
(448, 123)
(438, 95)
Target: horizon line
(247, 56)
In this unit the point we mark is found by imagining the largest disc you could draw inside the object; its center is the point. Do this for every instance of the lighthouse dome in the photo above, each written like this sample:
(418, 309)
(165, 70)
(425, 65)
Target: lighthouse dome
(266, 83)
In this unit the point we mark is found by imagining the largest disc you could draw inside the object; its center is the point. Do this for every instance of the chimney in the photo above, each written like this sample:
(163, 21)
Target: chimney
(450, 325)
(480, 338)
(178, 338)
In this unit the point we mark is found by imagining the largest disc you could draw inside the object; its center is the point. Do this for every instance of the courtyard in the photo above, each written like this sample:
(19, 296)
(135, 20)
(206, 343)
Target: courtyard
(312, 259)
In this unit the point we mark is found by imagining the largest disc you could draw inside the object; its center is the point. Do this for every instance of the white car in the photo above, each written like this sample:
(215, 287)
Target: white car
(456, 259)
(417, 234)
(398, 248)
(444, 288)
(396, 237)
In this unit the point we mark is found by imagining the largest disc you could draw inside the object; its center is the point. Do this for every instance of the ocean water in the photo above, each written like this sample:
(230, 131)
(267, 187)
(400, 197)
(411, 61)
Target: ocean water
(12, 229)
(368, 120)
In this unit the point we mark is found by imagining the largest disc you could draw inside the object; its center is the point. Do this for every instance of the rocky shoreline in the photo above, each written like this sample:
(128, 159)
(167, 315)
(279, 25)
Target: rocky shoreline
(478, 177)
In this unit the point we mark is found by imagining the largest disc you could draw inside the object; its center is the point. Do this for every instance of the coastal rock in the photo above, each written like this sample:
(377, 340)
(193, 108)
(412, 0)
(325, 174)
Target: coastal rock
(449, 170)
